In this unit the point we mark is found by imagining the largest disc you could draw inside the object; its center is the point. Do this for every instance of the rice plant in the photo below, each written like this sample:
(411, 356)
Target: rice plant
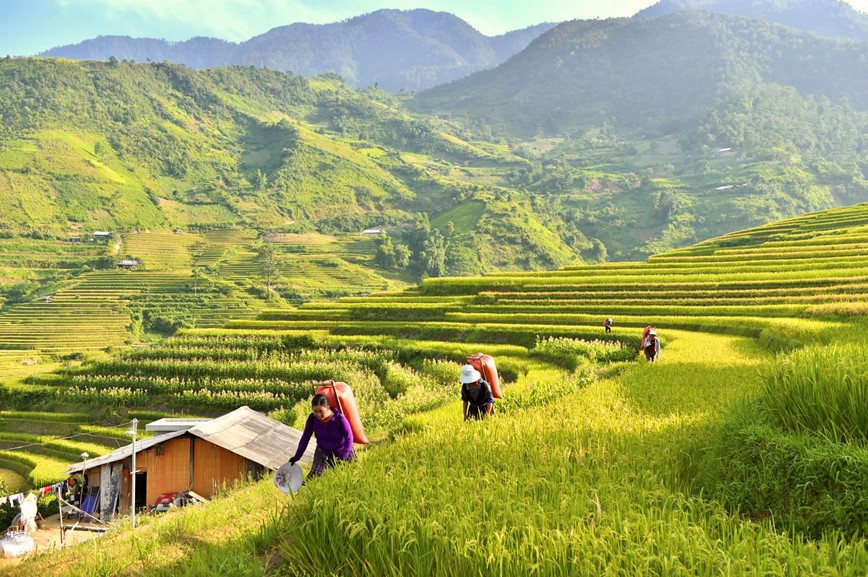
(821, 390)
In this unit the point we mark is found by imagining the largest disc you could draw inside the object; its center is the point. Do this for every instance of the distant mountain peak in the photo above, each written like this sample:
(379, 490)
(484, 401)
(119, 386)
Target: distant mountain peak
(394, 49)
(833, 18)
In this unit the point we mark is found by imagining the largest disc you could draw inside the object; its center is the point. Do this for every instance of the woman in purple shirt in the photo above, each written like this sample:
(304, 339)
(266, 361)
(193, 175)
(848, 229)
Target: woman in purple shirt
(334, 437)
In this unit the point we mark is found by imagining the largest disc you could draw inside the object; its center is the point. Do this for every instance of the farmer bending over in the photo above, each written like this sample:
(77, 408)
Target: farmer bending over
(334, 437)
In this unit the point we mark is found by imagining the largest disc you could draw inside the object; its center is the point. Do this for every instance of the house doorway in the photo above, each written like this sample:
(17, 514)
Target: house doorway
(141, 490)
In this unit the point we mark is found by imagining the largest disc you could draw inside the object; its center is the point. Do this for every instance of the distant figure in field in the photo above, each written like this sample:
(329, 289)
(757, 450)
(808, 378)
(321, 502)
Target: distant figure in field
(476, 394)
(608, 324)
(650, 344)
(334, 437)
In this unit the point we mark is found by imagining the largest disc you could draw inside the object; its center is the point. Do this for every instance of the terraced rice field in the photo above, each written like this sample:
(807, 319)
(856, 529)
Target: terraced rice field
(45, 262)
(39, 446)
(593, 464)
(89, 316)
(95, 310)
(769, 285)
(314, 265)
(771, 299)
(164, 250)
(184, 279)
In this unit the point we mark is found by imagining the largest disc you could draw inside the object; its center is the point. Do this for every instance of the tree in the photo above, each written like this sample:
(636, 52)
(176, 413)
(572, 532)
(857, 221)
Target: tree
(392, 256)
(267, 259)
(385, 252)
(196, 276)
(432, 259)
(402, 256)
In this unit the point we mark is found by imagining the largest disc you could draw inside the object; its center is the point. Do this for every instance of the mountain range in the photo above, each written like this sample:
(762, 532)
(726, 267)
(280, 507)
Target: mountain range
(393, 49)
(601, 140)
(417, 49)
(656, 76)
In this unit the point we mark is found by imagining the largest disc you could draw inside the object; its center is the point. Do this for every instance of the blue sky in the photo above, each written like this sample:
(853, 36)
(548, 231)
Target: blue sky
(28, 27)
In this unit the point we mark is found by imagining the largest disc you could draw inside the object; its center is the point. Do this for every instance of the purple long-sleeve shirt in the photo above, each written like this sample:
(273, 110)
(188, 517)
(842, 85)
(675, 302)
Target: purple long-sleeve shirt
(334, 438)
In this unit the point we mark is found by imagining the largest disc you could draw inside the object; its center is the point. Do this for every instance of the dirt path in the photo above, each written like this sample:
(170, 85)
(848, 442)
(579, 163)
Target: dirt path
(47, 539)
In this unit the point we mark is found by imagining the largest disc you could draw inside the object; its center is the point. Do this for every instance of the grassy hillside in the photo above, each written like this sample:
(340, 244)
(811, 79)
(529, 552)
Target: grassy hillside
(709, 460)
(121, 147)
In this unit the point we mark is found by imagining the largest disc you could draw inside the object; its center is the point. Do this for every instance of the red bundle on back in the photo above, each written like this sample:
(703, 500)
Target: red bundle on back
(340, 397)
(485, 365)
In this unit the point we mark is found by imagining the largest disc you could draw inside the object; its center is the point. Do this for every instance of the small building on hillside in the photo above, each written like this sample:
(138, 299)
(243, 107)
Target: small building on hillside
(128, 264)
(373, 231)
(102, 235)
(199, 456)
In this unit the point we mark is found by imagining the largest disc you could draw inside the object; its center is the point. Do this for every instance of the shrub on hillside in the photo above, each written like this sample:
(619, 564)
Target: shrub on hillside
(20, 292)
(573, 353)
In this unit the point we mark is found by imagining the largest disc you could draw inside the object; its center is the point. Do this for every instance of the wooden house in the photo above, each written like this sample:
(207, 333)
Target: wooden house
(203, 458)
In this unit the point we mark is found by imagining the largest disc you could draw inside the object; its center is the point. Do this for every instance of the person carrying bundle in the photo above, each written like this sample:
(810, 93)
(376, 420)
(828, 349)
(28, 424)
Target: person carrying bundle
(650, 344)
(476, 394)
(334, 437)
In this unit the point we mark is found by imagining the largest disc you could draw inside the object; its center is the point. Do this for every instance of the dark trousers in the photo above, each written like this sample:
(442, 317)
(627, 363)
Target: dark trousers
(480, 411)
(321, 462)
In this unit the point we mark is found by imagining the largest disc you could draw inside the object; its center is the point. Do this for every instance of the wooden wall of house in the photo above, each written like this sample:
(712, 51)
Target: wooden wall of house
(215, 467)
(167, 466)
(93, 476)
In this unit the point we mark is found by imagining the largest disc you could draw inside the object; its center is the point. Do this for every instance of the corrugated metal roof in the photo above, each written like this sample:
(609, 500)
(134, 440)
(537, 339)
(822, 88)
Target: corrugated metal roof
(254, 436)
(170, 425)
(244, 431)
(122, 453)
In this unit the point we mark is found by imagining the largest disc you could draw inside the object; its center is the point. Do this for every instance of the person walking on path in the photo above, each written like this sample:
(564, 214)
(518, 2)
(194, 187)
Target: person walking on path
(651, 345)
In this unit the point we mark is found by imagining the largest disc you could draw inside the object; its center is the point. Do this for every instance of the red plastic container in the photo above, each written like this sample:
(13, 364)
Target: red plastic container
(485, 365)
(340, 397)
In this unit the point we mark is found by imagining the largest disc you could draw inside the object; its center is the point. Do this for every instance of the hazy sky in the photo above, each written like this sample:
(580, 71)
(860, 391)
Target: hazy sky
(28, 27)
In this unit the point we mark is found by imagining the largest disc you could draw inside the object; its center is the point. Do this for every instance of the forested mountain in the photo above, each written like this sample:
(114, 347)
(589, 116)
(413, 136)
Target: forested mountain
(655, 76)
(824, 17)
(393, 49)
(682, 125)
